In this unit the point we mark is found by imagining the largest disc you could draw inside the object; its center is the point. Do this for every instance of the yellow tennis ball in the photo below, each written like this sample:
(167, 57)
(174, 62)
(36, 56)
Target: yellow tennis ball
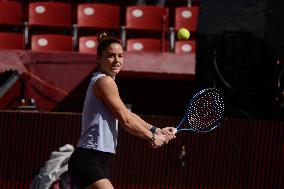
(183, 34)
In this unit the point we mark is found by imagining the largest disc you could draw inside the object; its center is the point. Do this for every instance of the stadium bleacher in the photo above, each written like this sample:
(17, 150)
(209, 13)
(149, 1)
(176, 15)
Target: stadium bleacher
(50, 32)
(86, 18)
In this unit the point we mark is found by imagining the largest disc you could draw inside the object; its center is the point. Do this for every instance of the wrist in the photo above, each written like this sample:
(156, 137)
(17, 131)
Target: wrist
(153, 129)
(159, 130)
(153, 137)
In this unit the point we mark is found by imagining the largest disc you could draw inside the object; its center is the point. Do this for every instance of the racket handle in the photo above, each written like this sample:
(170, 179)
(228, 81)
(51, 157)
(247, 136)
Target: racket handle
(175, 131)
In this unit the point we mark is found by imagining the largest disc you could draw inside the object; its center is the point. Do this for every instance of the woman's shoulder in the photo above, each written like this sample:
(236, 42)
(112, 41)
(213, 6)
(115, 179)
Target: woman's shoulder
(105, 85)
(105, 80)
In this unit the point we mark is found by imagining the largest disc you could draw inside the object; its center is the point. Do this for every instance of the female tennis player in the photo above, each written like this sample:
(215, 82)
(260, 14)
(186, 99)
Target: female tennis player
(103, 109)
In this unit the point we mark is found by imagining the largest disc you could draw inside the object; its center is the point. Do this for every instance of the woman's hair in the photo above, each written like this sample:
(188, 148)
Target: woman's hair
(105, 41)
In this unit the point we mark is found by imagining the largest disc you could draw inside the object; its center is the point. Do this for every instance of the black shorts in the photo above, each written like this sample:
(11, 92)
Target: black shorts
(87, 166)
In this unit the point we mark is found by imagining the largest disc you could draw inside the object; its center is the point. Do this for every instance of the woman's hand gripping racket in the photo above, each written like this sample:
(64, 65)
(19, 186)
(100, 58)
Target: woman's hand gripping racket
(204, 112)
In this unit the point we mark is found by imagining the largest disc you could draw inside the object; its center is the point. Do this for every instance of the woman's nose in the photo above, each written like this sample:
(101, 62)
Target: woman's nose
(116, 58)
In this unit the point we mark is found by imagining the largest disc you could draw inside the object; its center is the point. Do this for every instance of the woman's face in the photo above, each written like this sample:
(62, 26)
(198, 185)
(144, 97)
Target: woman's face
(111, 60)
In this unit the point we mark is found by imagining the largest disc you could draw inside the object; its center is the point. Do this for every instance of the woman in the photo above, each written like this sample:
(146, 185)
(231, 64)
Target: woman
(102, 111)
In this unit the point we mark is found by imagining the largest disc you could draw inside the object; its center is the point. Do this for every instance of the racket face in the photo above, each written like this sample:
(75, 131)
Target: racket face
(206, 110)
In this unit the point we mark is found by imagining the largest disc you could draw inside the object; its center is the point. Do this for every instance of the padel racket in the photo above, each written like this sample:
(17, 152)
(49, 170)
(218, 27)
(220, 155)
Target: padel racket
(204, 112)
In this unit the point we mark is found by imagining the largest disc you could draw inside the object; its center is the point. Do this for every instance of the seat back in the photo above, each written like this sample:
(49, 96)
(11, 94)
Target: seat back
(96, 15)
(88, 44)
(186, 17)
(187, 46)
(50, 14)
(10, 40)
(152, 18)
(144, 44)
(10, 13)
(51, 42)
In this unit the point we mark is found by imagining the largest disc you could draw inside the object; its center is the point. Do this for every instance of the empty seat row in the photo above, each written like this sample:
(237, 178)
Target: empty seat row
(46, 7)
(87, 44)
(60, 14)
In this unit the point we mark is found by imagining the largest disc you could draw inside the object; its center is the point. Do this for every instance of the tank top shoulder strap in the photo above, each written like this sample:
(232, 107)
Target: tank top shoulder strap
(96, 76)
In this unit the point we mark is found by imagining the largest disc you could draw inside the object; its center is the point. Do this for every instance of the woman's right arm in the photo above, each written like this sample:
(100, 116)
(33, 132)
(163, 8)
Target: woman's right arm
(106, 89)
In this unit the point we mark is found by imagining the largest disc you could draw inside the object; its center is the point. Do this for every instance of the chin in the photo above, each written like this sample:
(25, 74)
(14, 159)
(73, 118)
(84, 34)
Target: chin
(113, 73)
(116, 71)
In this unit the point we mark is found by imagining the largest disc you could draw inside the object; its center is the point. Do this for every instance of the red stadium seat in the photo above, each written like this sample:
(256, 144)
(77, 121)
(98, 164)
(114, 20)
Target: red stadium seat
(51, 42)
(50, 18)
(146, 22)
(88, 44)
(152, 18)
(50, 14)
(10, 13)
(96, 15)
(11, 25)
(9, 40)
(93, 18)
(186, 17)
(188, 46)
(145, 44)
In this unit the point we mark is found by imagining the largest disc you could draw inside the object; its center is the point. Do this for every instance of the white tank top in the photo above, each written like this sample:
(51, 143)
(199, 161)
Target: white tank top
(99, 126)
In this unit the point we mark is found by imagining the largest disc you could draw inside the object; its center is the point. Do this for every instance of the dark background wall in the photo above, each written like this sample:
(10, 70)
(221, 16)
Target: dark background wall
(240, 50)
(239, 154)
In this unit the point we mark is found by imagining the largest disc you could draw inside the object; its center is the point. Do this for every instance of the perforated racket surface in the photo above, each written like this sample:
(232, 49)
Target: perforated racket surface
(204, 112)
